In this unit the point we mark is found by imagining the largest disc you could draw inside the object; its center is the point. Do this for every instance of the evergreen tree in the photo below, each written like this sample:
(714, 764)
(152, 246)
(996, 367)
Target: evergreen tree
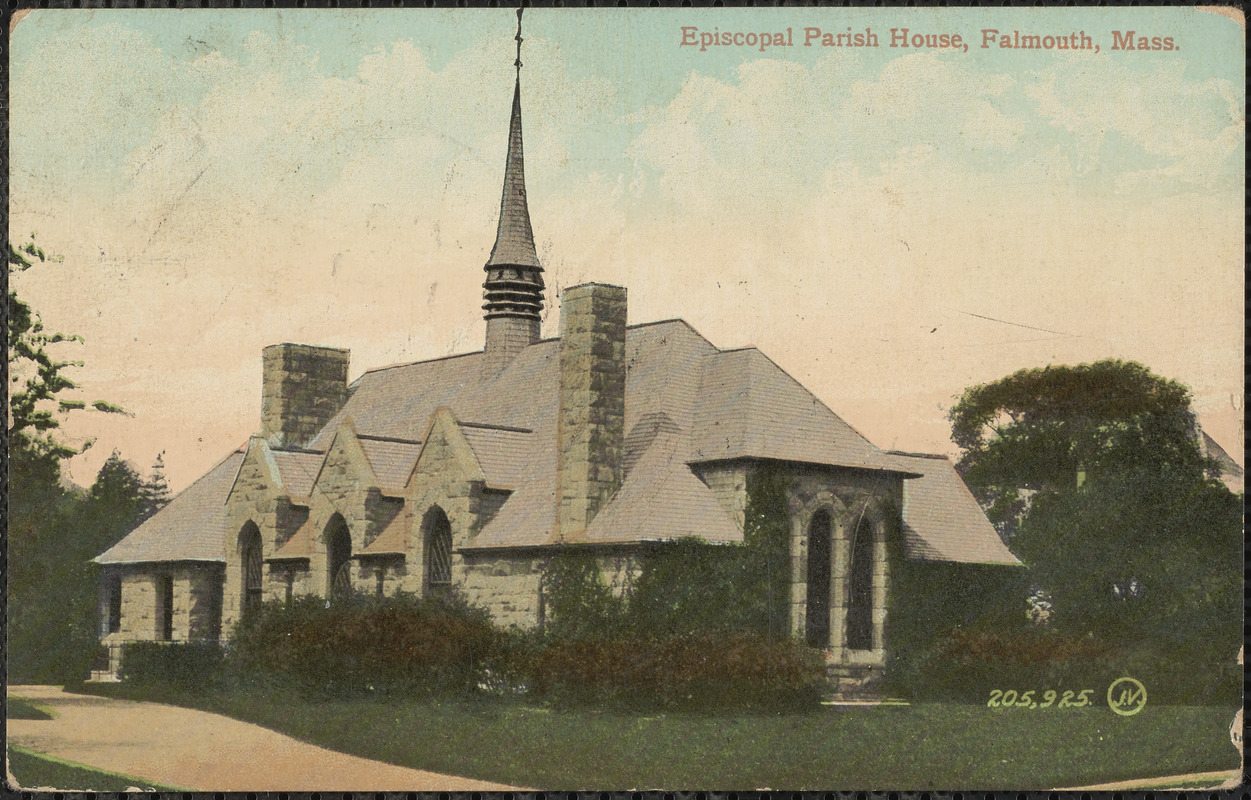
(155, 490)
(118, 493)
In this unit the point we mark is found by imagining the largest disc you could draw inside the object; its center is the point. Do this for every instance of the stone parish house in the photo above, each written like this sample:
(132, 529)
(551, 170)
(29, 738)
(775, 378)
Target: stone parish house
(466, 473)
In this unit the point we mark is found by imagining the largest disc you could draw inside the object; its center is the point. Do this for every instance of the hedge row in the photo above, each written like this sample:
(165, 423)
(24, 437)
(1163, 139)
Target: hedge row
(421, 647)
(379, 645)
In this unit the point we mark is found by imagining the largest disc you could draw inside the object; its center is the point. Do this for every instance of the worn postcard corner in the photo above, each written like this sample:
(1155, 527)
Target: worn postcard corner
(605, 399)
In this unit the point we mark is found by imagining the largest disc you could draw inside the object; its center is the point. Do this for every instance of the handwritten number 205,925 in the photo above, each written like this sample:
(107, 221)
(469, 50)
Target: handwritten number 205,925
(1003, 699)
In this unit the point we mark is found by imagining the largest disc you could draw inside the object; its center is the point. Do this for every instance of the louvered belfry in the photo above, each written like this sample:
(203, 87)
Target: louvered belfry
(513, 289)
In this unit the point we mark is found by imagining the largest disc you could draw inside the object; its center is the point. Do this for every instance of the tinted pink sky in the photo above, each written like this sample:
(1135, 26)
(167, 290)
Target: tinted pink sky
(891, 227)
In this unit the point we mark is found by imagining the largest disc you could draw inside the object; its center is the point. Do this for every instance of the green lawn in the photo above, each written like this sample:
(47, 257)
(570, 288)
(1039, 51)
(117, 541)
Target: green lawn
(33, 770)
(929, 746)
(21, 708)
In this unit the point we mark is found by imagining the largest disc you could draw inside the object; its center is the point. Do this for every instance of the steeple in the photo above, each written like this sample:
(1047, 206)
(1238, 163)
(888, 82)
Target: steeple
(513, 288)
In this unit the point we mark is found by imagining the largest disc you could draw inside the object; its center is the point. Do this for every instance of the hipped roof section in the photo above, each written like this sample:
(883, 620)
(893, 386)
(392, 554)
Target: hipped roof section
(686, 402)
(942, 520)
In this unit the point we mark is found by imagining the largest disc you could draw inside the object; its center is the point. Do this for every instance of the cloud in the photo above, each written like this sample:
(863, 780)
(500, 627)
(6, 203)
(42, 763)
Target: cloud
(1190, 132)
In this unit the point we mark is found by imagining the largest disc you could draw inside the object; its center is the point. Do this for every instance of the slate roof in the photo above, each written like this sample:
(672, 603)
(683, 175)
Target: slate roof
(1231, 472)
(392, 461)
(686, 402)
(298, 470)
(942, 520)
(661, 499)
(300, 545)
(192, 527)
(752, 409)
(503, 453)
(514, 240)
(393, 538)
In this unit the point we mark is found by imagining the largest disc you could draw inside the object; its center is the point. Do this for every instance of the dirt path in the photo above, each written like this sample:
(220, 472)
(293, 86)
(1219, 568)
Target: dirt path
(201, 751)
(1231, 779)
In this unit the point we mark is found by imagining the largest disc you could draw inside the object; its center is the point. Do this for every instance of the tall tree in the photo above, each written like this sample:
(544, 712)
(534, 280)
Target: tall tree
(1124, 526)
(1044, 430)
(52, 533)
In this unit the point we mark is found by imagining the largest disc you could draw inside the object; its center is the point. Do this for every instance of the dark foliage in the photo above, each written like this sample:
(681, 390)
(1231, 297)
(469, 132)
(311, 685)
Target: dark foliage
(1037, 428)
(53, 535)
(181, 664)
(704, 625)
(688, 587)
(360, 645)
(1138, 560)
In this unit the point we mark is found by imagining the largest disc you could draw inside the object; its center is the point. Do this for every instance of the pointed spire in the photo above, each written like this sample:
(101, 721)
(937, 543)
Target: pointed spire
(513, 289)
(514, 241)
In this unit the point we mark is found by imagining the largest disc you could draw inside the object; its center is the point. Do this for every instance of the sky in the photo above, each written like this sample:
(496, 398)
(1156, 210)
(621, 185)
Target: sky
(891, 225)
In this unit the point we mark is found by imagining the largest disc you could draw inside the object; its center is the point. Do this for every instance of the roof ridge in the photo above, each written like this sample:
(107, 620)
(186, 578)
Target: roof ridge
(421, 361)
(372, 437)
(937, 456)
(490, 427)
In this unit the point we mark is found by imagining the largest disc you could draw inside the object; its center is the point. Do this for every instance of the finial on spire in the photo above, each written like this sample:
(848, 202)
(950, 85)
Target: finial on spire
(517, 63)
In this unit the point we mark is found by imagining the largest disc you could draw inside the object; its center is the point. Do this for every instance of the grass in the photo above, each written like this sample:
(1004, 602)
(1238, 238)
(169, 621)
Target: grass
(927, 746)
(22, 708)
(34, 770)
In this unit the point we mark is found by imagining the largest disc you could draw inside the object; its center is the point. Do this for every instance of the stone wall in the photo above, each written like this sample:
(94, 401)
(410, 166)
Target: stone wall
(257, 498)
(508, 585)
(302, 387)
(196, 593)
(343, 491)
(448, 477)
(591, 423)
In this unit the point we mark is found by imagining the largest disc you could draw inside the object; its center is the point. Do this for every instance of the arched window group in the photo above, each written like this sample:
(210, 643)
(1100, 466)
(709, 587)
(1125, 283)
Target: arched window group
(859, 583)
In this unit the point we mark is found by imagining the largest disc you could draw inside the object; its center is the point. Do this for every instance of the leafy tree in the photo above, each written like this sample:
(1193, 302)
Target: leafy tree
(1142, 559)
(1037, 430)
(118, 491)
(1148, 547)
(36, 378)
(53, 536)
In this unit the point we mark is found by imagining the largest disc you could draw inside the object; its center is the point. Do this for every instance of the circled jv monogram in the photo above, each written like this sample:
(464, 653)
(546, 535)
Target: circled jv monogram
(1127, 696)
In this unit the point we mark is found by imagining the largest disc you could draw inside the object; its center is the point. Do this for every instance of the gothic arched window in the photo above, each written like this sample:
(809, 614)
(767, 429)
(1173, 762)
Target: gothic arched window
(438, 549)
(860, 589)
(817, 624)
(253, 566)
(338, 558)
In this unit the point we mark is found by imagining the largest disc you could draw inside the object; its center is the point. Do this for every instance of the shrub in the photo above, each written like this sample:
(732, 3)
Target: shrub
(399, 644)
(183, 664)
(709, 671)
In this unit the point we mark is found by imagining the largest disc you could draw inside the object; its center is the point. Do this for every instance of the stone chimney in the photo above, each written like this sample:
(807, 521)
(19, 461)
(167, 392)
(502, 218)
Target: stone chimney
(302, 387)
(590, 430)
